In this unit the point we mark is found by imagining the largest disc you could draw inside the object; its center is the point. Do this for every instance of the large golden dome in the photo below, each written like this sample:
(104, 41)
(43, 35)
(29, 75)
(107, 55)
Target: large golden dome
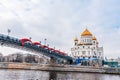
(86, 33)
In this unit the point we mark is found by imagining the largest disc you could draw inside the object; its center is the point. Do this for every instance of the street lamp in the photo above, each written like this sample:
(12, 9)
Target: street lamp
(30, 38)
(40, 42)
(48, 45)
(45, 41)
(8, 31)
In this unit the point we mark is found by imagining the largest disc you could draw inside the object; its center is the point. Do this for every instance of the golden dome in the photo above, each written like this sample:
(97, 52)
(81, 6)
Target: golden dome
(94, 38)
(86, 33)
(76, 39)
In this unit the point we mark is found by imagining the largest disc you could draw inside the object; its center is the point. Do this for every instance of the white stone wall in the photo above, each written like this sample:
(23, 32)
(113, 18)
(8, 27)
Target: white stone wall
(87, 48)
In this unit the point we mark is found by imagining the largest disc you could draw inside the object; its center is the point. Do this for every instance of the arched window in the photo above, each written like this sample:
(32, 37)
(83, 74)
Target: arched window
(94, 42)
(83, 46)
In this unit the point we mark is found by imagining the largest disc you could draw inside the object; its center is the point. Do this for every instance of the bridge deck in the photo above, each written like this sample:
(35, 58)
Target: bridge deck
(15, 42)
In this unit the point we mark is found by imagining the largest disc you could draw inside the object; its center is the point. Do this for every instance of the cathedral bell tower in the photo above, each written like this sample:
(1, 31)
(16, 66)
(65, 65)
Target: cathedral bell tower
(76, 41)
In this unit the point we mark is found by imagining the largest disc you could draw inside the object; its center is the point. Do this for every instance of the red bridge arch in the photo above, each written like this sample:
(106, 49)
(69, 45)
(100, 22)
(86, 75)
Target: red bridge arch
(23, 40)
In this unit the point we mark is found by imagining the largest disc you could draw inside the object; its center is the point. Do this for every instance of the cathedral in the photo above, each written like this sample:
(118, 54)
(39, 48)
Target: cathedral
(86, 47)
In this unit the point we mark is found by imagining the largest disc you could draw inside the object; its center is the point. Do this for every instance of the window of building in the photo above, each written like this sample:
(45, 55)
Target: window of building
(83, 46)
(83, 52)
(94, 42)
(100, 53)
(94, 53)
(78, 52)
(89, 52)
(83, 40)
(75, 53)
(88, 40)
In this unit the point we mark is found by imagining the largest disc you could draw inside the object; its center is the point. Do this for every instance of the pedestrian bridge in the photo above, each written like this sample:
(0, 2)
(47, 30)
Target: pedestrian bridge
(35, 47)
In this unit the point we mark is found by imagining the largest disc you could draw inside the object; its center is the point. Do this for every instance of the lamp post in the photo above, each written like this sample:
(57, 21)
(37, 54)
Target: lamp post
(30, 38)
(45, 41)
(40, 42)
(8, 31)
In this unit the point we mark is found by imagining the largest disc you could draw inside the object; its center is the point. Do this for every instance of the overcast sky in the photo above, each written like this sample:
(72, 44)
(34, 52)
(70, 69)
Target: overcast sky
(60, 21)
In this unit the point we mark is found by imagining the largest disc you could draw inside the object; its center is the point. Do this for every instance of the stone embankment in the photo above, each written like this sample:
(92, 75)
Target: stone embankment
(60, 68)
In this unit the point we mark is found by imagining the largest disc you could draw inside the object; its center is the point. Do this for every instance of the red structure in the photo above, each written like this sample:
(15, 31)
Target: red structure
(51, 49)
(23, 40)
(63, 53)
(57, 51)
(36, 43)
(44, 46)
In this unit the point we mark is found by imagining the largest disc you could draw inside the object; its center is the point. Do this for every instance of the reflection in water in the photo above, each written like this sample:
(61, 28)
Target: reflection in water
(52, 75)
(43, 75)
(81, 76)
(23, 75)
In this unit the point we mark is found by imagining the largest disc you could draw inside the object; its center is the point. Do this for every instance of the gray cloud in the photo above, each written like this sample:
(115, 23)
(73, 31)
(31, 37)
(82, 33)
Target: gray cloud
(61, 20)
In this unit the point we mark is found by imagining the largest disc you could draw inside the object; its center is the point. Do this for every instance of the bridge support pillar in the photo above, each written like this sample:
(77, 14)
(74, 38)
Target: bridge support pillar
(70, 61)
(52, 60)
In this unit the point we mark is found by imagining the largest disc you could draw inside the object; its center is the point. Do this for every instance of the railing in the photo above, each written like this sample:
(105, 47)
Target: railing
(15, 41)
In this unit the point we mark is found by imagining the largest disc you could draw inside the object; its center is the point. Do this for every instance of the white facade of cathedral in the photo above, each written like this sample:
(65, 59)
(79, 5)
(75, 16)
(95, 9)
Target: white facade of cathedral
(86, 47)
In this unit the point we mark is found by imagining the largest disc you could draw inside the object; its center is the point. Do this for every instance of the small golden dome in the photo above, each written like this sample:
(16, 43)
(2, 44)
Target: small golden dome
(86, 33)
(94, 38)
(76, 39)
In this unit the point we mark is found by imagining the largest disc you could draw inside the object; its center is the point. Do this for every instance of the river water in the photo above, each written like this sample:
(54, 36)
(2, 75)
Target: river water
(6, 74)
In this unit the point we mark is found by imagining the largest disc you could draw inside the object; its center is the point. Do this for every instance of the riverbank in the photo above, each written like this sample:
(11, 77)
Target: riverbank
(59, 68)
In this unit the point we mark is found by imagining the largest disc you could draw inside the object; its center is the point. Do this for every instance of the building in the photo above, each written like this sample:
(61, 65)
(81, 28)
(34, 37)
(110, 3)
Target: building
(25, 58)
(15, 57)
(87, 47)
